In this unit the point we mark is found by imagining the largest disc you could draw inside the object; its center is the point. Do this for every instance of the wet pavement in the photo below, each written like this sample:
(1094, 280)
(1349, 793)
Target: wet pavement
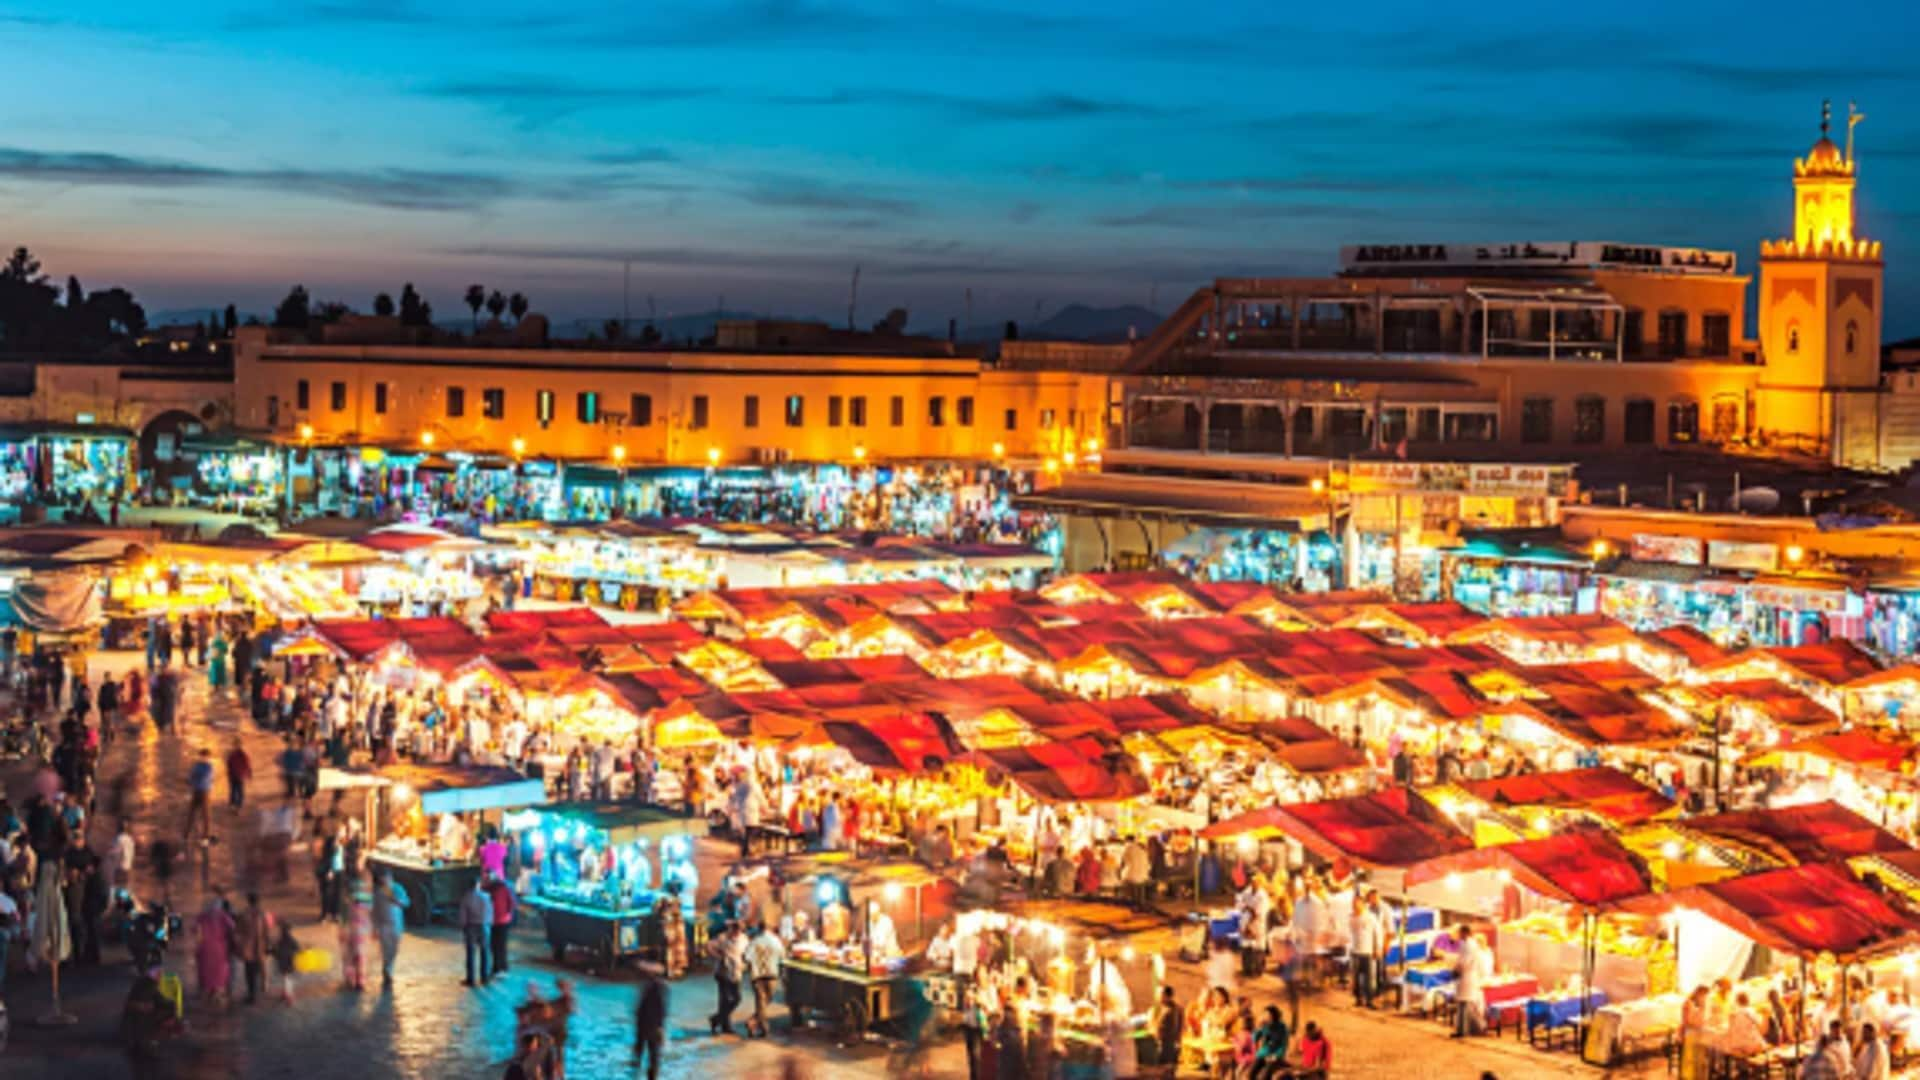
(428, 1025)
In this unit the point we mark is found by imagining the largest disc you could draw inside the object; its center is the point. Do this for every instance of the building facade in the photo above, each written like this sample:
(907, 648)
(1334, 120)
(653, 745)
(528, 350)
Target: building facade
(722, 406)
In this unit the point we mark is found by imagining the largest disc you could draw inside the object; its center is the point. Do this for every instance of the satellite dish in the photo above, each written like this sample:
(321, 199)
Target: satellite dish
(1758, 500)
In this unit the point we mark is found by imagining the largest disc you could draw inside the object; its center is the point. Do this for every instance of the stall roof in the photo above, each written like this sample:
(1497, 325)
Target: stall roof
(1831, 663)
(458, 788)
(911, 743)
(1066, 770)
(551, 619)
(1392, 828)
(624, 822)
(1781, 703)
(1815, 832)
(1568, 630)
(1857, 747)
(1604, 792)
(1695, 647)
(1801, 911)
(1588, 867)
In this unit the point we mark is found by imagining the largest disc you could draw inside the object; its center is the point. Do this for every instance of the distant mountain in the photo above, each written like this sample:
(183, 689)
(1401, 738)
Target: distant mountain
(689, 327)
(184, 316)
(1075, 322)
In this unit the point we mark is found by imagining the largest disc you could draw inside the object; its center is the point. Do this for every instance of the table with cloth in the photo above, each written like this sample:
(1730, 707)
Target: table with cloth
(1550, 1011)
(1557, 960)
(1619, 1026)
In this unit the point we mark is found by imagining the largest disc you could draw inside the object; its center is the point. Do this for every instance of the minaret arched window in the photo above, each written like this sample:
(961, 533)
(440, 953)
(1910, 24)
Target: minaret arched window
(1853, 337)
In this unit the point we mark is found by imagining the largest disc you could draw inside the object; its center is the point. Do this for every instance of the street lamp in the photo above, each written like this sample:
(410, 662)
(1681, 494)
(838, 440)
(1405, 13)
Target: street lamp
(1795, 554)
(713, 456)
(619, 453)
(999, 450)
(860, 452)
(426, 439)
(306, 432)
(519, 448)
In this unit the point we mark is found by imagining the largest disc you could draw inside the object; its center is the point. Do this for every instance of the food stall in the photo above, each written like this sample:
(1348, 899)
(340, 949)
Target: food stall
(851, 965)
(602, 871)
(427, 819)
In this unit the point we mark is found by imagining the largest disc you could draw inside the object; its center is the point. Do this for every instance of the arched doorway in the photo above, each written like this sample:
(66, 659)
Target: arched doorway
(161, 456)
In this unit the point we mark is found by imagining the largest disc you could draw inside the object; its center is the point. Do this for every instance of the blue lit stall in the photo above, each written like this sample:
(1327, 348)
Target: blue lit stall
(602, 871)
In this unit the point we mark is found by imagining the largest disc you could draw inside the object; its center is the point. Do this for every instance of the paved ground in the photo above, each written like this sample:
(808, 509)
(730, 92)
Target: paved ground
(429, 1026)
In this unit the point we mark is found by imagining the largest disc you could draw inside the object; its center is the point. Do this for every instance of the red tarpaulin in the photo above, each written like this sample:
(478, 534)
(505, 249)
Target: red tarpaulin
(1392, 828)
(544, 620)
(1586, 867)
(1800, 910)
(1068, 770)
(1859, 748)
(900, 744)
(1817, 832)
(1604, 792)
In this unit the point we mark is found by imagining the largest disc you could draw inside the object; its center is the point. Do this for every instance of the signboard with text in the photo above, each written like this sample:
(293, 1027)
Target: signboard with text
(1680, 550)
(1461, 477)
(1743, 555)
(1479, 258)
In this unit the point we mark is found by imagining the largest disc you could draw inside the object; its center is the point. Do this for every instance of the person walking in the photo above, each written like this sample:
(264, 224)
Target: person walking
(200, 792)
(217, 665)
(1367, 946)
(389, 921)
(763, 955)
(252, 937)
(505, 906)
(476, 917)
(729, 963)
(213, 953)
(239, 771)
(650, 1020)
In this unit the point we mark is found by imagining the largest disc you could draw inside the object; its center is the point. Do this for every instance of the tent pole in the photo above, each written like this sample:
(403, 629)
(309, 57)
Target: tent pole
(1800, 1007)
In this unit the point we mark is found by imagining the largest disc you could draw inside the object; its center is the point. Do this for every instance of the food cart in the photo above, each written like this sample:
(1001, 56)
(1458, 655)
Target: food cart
(603, 870)
(425, 817)
(853, 965)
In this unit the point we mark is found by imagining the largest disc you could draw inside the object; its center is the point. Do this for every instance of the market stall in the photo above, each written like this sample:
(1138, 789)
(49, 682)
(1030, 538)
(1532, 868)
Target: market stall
(428, 820)
(602, 871)
(864, 920)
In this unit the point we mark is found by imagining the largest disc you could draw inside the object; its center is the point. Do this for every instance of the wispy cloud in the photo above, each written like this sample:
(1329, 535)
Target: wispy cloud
(633, 155)
(533, 98)
(1054, 106)
(788, 192)
(1225, 218)
(395, 189)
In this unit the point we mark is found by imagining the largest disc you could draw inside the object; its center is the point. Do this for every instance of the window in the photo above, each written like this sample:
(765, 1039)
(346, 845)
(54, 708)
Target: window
(1683, 420)
(1302, 424)
(273, 410)
(493, 403)
(1046, 419)
(1426, 424)
(963, 411)
(1633, 335)
(836, 409)
(796, 410)
(301, 395)
(750, 411)
(586, 406)
(640, 410)
(1638, 421)
(697, 421)
(1726, 419)
(936, 411)
(456, 401)
(1589, 419)
(1716, 337)
(857, 411)
(1853, 337)
(898, 408)
(543, 407)
(1393, 424)
(1793, 346)
(380, 398)
(1673, 333)
(338, 392)
(1536, 420)
(1472, 427)
(1013, 419)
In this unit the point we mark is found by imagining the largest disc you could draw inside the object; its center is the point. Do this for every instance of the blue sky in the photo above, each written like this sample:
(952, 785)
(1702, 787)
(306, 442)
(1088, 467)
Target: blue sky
(1035, 154)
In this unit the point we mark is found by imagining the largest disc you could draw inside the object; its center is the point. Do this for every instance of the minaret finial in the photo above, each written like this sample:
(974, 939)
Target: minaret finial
(1826, 116)
(1854, 116)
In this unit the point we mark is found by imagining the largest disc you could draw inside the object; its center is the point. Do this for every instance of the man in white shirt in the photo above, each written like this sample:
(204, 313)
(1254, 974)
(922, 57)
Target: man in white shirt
(1475, 966)
(1366, 949)
(119, 865)
(1871, 1062)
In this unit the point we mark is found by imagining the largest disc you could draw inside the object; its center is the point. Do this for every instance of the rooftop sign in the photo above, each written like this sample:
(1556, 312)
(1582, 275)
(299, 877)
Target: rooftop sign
(1571, 254)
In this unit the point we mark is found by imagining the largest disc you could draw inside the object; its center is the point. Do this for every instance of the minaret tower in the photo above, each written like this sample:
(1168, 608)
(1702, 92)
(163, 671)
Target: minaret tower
(1820, 310)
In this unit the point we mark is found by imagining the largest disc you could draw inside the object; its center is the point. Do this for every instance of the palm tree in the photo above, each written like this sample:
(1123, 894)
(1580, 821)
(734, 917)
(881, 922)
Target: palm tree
(517, 303)
(476, 299)
(496, 304)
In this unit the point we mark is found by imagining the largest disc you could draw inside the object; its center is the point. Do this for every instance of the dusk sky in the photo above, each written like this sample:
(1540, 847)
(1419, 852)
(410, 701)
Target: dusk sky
(1038, 154)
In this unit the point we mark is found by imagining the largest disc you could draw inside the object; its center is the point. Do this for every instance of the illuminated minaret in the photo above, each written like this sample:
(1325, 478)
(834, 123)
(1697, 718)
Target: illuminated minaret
(1820, 309)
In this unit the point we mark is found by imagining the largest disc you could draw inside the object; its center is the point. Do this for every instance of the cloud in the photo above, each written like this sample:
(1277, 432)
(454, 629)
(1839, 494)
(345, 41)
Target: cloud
(1316, 185)
(634, 155)
(1752, 79)
(1036, 107)
(393, 189)
(786, 192)
(1225, 218)
(531, 98)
